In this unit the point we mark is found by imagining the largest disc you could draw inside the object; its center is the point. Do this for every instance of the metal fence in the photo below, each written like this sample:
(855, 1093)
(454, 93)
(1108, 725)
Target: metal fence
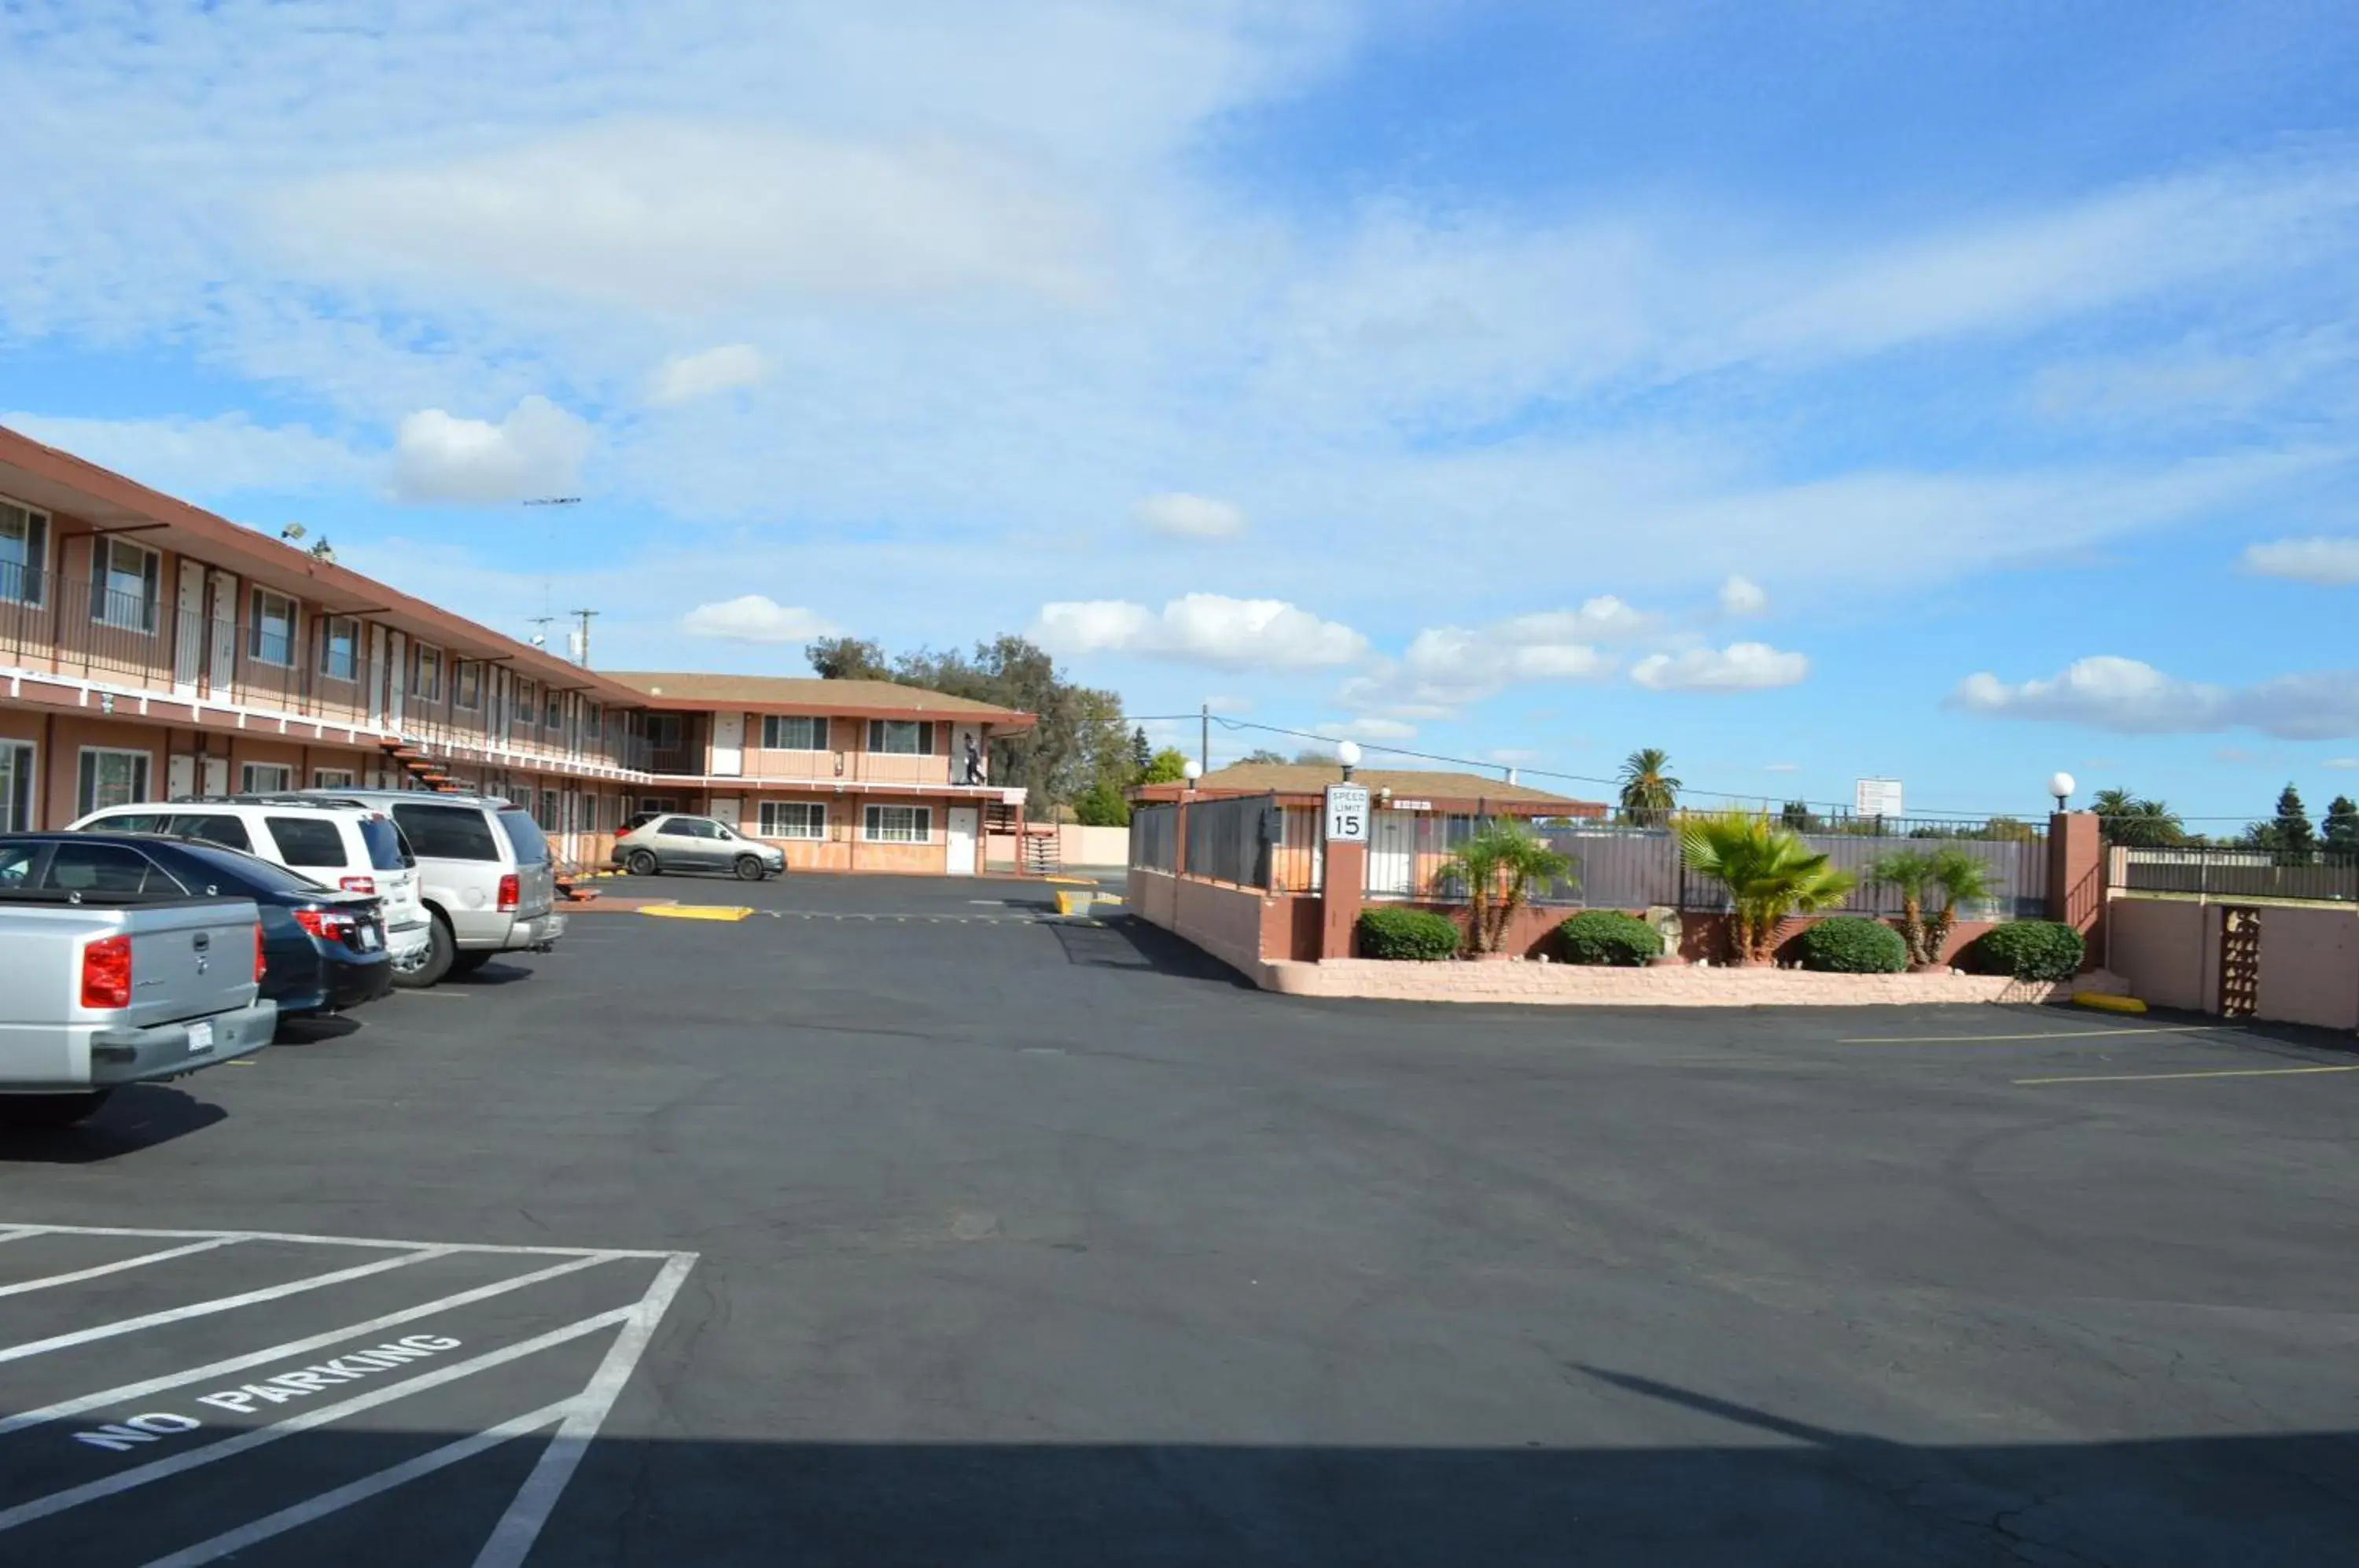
(1228, 840)
(2238, 874)
(1153, 831)
(1615, 868)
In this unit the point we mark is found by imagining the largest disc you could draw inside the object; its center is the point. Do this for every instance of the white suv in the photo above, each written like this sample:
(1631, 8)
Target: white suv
(353, 848)
(483, 870)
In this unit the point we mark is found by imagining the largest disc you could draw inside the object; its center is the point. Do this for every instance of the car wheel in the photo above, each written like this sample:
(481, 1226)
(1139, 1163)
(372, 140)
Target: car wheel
(641, 863)
(441, 950)
(750, 868)
(50, 1110)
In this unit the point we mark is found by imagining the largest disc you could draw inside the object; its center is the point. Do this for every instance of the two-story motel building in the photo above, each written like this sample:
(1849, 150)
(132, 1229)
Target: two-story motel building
(150, 650)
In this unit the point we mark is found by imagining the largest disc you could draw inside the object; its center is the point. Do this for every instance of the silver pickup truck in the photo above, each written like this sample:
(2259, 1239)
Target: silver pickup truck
(103, 986)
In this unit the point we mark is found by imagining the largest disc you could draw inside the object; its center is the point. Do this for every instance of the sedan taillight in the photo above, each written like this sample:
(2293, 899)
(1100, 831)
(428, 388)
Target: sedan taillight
(258, 960)
(106, 972)
(333, 925)
(509, 892)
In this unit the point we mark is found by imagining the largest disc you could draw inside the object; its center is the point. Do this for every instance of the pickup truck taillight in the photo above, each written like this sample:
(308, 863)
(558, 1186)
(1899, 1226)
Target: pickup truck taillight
(358, 884)
(509, 892)
(106, 972)
(258, 961)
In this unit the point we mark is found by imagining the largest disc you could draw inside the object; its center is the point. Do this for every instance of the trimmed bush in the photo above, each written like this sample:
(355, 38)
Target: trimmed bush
(1413, 934)
(1850, 944)
(1609, 936)
(2029, 949)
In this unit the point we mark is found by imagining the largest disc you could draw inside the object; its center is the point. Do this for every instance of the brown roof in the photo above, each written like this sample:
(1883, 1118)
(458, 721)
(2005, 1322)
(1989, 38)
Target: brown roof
(808, 693)
(1410, 783)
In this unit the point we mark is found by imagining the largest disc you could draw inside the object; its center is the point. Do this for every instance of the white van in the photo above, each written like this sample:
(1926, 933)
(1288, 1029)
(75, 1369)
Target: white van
(356, 849)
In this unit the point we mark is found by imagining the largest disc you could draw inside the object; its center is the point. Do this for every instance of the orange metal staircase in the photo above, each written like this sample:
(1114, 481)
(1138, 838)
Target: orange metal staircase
(420, 765)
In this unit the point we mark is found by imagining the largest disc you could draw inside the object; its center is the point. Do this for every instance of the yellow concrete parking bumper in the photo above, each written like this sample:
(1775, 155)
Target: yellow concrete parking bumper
(2105, 1003)
(698, 911)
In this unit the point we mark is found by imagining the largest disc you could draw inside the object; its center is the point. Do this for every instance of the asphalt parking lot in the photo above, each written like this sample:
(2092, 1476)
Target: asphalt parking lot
(897, 1222)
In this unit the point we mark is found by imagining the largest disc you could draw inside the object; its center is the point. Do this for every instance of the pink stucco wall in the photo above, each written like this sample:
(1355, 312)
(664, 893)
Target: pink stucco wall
(2309, 966)
(2169, 952)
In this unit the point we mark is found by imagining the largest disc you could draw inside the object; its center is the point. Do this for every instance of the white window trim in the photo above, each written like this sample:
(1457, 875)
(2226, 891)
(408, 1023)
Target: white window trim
(145, 755)
(37, 572)
(328, 646)
(333, 778)
(147, 625)
(868, 824)
(246, 786)
(32, 783)
(253, 631)
(457, 699)
(819, 833)
(821, 720)
(418, 655)
(925, 737)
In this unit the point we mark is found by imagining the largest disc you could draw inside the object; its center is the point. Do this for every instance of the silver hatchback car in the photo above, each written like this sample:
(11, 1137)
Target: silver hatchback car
(667, 841)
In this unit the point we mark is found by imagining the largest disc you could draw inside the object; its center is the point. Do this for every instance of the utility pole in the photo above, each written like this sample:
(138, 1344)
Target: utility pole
(1204, 736)
(581, 654)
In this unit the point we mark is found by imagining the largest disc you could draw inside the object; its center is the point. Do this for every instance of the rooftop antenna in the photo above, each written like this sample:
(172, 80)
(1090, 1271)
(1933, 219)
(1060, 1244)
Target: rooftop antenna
(581, 638)
(548, 554)
(540, 630)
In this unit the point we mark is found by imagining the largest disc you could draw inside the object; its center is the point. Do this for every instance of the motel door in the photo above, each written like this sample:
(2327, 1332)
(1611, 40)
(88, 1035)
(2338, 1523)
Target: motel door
(728, 744)
(188, 631)
(1392, 854)
(960, 832)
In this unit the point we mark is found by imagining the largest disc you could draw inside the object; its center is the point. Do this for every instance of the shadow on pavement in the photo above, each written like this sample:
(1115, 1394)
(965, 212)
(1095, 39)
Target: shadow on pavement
(315, 1028)
(491, 975)
(1124, 942)
(139, 1115)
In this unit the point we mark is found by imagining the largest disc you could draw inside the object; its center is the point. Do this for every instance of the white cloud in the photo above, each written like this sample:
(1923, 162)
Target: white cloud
(1742, 597)
(1739, 667)
(1781, 768)
(2341, 763)
(2333, 561)
(202, 458)
(685, 377)
(1369, 729)
(753, 617)
(690, 217)
(2131, 697)
(1203, 628)
(1189, 517)
(535, 451)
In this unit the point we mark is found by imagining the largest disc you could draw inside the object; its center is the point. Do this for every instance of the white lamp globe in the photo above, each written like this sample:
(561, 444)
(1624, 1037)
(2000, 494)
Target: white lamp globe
(2060, 786)
(1348, 754)
(1192, 771)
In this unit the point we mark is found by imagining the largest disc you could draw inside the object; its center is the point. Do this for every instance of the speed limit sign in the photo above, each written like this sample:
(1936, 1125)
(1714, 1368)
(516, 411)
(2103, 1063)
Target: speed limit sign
(1347, 813)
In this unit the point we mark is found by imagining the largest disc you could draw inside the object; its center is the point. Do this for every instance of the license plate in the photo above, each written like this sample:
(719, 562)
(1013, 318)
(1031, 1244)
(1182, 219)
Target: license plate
(201, 1037)
(370, 939)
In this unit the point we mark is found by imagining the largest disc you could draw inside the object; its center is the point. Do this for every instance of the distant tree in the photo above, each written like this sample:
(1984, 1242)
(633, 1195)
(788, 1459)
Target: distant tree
(2124, 819)
(1102, 806)
(1261, 754)
(2010, 830)
(1313, 756)
(848, 658)
(2294, 833)
(1799, 817)
(1142, 756)
(2342, 826)
(1649, 793)
(1165, 767)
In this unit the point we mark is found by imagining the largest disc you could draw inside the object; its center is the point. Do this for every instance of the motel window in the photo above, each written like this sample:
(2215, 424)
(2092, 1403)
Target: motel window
(271, 639)
(794, 819)
(24, 553)
(123, 583)
(467, 684)
(331, 779)
(663, 731)
(901, 738)
(898, 824)
(555, 718)
(528, 703)
(265, 779)
(782, 732)
(426, 674)
(16, 785)
(593, 716)
(111, 777)
(340, 648)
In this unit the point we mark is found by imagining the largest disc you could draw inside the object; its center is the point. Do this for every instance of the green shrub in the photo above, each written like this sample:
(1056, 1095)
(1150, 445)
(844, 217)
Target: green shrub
(2029, 949)
(1413, 934)
(1609, 936)
(1851, 945)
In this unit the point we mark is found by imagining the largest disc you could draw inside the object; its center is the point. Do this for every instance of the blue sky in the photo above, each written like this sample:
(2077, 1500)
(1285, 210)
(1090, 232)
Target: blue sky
(1953, 393)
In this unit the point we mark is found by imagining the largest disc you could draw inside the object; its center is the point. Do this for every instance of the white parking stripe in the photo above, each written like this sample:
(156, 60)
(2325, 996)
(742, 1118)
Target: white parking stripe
(362, 1491)
(379, 1241)
(213, 1453)
(293, 1347)
(219, 1304)
(520, 1525)
(139, 1262)
(21, 1235)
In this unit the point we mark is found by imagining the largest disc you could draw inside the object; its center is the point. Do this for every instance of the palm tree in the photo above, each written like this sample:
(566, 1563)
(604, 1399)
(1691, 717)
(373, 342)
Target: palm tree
(1963, 878)
(1649, 793)
(1908, 871)
(2124, 819)
(1770, 873)
(1497, 867)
